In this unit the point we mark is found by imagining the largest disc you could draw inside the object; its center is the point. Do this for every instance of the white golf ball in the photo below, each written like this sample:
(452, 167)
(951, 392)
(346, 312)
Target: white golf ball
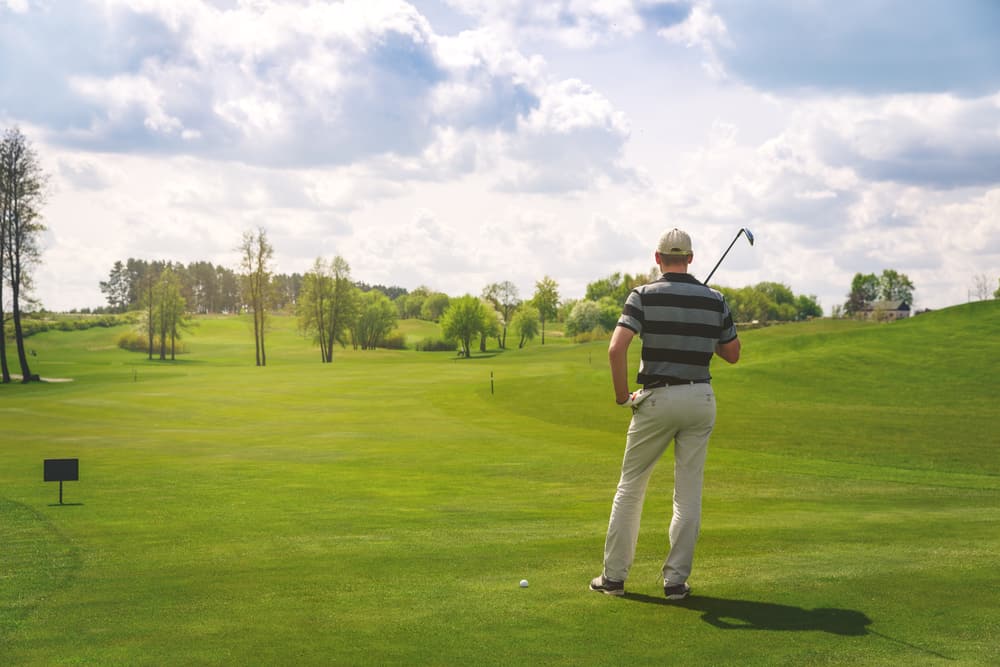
(524, 583)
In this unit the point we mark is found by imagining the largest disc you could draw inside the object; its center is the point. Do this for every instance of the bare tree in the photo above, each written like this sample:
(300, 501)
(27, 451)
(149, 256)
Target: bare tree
(22, 193)
(981, 286)
(255, 258)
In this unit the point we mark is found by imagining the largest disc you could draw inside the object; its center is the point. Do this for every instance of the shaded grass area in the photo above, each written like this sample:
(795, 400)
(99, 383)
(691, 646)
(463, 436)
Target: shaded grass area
(381, 509)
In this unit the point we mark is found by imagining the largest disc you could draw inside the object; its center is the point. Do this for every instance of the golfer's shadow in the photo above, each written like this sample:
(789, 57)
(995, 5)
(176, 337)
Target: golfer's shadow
(747, 615)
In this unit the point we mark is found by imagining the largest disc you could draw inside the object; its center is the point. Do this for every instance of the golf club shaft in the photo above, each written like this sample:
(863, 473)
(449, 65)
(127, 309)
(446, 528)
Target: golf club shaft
(735, 239)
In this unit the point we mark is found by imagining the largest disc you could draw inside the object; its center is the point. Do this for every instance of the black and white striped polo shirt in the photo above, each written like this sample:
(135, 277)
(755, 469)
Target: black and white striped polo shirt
(680, 321)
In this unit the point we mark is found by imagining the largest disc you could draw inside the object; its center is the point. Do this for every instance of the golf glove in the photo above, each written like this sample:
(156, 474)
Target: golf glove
(635, 398)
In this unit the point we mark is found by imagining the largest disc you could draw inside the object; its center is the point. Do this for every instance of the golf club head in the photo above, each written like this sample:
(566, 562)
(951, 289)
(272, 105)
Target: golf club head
(743, 230)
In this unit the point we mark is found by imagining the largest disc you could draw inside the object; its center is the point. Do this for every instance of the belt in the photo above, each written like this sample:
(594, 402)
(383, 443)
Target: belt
(673, 382)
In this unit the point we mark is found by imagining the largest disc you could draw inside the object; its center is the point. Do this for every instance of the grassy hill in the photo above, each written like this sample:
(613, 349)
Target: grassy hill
(381, 509)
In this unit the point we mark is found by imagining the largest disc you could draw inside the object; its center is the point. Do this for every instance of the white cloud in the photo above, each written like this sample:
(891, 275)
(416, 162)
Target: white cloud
(83, 173)
(571, 23)
(545, 139)
(572, 140)
(940, 141)
(321, 84)
(17, 6)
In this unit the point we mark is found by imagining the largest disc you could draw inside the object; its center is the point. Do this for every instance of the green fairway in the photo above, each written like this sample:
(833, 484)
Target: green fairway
(383, 508)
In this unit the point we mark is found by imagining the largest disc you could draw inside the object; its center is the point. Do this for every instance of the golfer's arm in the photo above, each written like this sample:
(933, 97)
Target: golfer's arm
(729, 351)
(618, 357)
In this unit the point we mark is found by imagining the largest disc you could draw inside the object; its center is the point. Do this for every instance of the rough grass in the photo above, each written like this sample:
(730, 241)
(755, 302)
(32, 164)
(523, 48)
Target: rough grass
(382, 509)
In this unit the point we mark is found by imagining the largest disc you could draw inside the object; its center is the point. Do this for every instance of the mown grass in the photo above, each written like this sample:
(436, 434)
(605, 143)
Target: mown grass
(382, 509)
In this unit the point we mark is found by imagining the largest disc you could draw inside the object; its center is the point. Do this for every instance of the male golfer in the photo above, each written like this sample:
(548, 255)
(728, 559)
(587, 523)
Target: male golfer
(682, 323)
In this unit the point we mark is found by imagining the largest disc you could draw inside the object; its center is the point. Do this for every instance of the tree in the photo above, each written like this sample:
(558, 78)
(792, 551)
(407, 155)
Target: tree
(342, 308)
(894, 286)
(996, 295)
(375, 321)
(255, 257)
(504, 298)
(312, 305)
(434, 306)
(394, 292)
(4, 369)
(769, 301)
(328, 304)
(135, 269)
(285, 290)
(981, 286)
(864, 291)
(204, 288)
(776, 292)
(229, 290)
(753, 305)
(493, 325)
(611, 311)
(411, 304)
(465, 317)
(546, 300)
(116, 289)
(169, 311)
(150, 278)
(806, 307)
(585, 316)
(22, 193)
(615, 286)
(525, 323)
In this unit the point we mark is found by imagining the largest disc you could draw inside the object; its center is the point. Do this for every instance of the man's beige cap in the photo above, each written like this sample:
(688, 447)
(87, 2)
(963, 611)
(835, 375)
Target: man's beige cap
(674, 242)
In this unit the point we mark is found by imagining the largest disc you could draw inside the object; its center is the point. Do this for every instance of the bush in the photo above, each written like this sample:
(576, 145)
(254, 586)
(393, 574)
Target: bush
(394, 341)
(29, 327)
(585, 316)
(135, 341)
(35, 323)
(436, 345)
(597, 333)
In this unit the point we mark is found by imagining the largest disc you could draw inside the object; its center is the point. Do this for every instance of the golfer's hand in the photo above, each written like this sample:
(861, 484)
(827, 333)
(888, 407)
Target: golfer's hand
(634, 399)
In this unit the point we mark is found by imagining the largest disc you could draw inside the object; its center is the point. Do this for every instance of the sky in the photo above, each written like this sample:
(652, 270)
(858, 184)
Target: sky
(458, 143)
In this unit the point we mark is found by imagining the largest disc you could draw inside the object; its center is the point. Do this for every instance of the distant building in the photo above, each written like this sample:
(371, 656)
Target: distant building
(887, 311)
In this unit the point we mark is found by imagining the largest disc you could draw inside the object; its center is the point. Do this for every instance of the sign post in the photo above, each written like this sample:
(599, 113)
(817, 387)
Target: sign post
(62, 470)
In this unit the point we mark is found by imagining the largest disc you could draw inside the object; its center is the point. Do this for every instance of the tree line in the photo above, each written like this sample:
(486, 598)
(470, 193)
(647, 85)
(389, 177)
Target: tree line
(206, 288)
(333, 309)
(22, 194)
(598, 311)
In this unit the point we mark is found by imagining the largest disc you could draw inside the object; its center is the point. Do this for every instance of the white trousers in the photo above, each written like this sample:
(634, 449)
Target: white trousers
(686, 415)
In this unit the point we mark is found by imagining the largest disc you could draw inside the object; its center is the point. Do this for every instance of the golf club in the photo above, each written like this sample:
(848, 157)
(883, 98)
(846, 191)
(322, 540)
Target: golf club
(743, 230)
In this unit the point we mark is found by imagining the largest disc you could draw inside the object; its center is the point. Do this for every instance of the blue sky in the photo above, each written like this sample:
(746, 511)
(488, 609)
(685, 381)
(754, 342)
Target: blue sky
(456, 143)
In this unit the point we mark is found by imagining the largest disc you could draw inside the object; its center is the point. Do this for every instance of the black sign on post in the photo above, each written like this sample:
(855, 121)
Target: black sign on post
(62, 470)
